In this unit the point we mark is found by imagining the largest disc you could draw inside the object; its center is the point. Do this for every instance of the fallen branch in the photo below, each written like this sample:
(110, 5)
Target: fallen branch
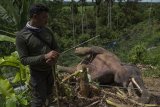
(124, 98)
(152, 105)
(131, 100)
(121, 93)
(70, 76)
(112, 103)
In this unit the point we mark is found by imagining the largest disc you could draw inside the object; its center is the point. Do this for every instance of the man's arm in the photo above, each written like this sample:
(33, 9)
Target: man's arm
(24, 55)
(54, 45)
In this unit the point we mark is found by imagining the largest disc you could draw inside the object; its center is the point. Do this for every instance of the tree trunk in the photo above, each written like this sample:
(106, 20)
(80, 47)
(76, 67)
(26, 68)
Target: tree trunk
(84, 83)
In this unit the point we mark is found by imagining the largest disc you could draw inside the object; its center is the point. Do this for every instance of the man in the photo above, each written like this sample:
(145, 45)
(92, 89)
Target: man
(37, 48)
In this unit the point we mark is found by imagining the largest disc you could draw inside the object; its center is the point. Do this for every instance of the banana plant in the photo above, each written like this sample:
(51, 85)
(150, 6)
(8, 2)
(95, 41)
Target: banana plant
(22, 74)
(7, 45)
(7, 39)
(11, 98)
(7, 92)
(13, 17)
(15, 12)
(6, 86)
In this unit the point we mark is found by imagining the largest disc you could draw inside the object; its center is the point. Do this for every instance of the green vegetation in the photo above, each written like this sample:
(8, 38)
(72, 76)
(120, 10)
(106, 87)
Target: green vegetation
(131, 30)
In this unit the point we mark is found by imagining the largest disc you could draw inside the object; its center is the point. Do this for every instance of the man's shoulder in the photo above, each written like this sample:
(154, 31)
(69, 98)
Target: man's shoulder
(23, 33)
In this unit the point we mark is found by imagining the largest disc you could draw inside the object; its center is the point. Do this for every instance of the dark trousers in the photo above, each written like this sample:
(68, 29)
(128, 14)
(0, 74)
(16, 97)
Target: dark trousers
(41, 87)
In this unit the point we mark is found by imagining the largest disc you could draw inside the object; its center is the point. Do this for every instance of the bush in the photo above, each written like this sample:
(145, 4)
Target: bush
(137, 54)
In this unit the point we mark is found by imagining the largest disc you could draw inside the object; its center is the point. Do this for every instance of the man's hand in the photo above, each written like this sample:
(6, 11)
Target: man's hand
(51, 57)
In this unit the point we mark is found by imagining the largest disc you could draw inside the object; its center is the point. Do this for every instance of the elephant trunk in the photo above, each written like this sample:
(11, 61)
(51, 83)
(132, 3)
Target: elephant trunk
(66, 69)
(145, 95)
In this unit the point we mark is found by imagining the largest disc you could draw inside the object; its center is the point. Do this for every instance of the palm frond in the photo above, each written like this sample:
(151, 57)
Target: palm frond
(9, 10)
(4, 16)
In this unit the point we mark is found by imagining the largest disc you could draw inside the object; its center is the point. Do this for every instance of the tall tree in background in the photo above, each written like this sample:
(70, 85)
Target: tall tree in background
(82, 12)
(73, 24)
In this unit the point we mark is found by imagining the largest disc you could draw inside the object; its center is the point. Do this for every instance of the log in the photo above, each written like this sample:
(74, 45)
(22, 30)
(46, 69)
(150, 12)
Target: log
(84, 83)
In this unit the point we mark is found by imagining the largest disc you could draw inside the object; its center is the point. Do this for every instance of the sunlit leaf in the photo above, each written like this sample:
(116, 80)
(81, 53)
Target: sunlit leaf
(9, 63)
(5, 87)
(7, 38)
(22, 100)
(16, 78)
(11, 101)
(15, 54)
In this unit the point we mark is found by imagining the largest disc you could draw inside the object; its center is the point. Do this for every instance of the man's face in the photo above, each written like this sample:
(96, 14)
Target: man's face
(41, 19)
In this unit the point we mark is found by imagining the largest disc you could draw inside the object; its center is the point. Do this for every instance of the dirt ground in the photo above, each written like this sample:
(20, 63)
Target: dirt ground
(153, 85)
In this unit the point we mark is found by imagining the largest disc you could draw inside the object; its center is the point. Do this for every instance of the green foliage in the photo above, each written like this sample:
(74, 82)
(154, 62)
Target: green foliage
(8, 93)
(13, 17)
(7, 45)
(22, 77)
(156, 11)
(137, 53)
(6, 38)
(131, 25)
(2, 101)
(16, 11)
(69, 59)
(83, 38)
(5, 90)
(6, 48)
(152, 72)
(13, 61)
(153, 56)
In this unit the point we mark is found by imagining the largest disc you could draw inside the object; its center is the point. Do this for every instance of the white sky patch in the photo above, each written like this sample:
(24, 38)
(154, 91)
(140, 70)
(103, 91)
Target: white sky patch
(142, 0)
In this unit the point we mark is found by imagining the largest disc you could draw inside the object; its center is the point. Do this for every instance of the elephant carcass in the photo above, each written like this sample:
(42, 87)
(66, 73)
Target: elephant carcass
(103, 65)
(106, 68)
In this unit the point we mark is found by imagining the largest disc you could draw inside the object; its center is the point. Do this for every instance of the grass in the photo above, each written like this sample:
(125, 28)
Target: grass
(152, 72)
